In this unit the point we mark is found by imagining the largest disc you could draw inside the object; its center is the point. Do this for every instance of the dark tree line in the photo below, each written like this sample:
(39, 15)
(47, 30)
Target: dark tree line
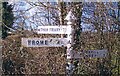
(7, 19)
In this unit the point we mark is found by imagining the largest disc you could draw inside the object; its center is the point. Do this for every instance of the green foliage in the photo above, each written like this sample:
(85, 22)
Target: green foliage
(7, 19)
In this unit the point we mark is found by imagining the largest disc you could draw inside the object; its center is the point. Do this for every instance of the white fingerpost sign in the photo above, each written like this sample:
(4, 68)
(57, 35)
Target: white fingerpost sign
(90, 54)
(53, 29)
(96, 53)
(44, 42)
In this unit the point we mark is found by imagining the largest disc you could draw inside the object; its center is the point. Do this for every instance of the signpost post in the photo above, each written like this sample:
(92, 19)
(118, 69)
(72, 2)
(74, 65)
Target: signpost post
(70, 18)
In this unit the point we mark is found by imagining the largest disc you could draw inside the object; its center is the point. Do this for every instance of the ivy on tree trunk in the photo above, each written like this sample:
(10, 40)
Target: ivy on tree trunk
(7, 19)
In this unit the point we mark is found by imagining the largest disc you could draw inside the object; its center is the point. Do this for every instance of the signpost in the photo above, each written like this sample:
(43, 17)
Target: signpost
(53, 29)
(59, 42)
(44, 42)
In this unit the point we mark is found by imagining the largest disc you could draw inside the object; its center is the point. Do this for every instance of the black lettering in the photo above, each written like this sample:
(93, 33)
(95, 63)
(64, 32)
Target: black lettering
(41, 42)
(46, 42)
(89, 52)
(104, 55)
(29, 42)
(37, 42)
(58, 42)
(58, 29)
(95, 55)
(64, 29)
(33, 42)
(92, 55)
(55, 29)
(43, 29)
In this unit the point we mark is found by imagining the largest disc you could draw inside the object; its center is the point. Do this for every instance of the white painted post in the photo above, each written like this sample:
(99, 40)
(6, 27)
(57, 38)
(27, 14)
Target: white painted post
(70, 18)
(70, 53)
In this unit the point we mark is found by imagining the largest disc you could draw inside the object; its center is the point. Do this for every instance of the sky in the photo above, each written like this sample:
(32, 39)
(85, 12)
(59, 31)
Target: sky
(22, 5)
(70, 0)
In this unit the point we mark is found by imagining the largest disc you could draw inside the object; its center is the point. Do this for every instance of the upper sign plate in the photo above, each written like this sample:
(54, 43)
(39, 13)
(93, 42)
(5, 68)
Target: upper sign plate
(54, 30)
